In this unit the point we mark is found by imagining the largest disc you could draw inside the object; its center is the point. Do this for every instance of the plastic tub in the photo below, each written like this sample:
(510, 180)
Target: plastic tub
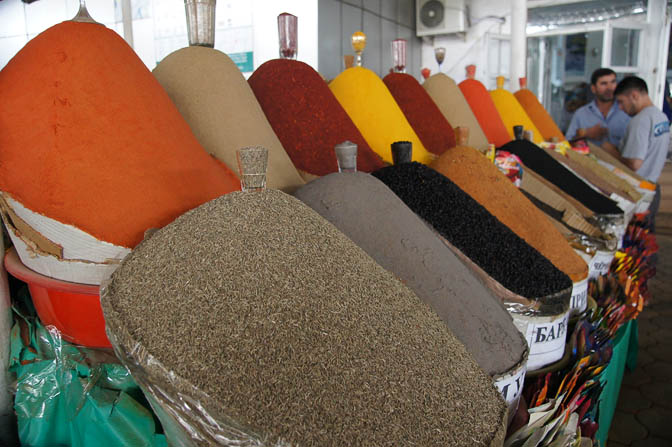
(74, 309)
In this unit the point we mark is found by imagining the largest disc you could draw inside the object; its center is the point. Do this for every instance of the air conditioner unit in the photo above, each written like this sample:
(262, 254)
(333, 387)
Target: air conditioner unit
(439, 17)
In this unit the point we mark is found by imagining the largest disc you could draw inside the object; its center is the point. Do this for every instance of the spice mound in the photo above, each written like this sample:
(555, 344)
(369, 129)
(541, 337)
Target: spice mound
(90, 139)
(307, 117)
(294, 333)
(481, 179)
(485, 111)
(538, 114)
(370, 214)
(450, 100)
(512, 113)
(376, 114)
(422, 113)
(469, 227)
(545, 165)
(213, 96)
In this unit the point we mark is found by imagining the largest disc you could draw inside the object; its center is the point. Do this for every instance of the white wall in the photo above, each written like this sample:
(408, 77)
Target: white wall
(483, 45)
(159, 26)
(265, 16)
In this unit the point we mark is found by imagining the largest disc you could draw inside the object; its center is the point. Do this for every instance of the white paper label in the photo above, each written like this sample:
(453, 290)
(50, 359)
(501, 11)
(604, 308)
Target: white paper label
(579, 297)
(600, 263)
(511, 387)
(546, 340)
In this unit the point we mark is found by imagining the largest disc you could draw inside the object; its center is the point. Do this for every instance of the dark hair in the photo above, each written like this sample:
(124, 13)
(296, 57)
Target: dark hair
(597, 74)
(631, 83)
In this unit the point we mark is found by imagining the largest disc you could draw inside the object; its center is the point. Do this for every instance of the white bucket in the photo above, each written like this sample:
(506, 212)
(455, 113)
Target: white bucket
(545, 336)
(600, 263)
(510, 385)
(579, 300)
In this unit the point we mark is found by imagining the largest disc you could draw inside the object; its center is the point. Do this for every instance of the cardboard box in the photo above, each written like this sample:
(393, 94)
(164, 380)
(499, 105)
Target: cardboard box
(58, 250)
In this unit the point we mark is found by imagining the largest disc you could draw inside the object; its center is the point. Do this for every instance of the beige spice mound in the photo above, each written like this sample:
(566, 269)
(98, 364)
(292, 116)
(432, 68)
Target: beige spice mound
(215, 99)
(294, 331)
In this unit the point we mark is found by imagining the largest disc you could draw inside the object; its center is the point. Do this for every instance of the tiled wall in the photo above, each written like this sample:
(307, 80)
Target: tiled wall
(381, 20)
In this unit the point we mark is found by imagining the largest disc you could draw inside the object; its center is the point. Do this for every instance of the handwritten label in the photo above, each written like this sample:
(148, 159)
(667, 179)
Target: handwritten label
(511, 386)
(600, 263)
(579, 297)
(546, 337)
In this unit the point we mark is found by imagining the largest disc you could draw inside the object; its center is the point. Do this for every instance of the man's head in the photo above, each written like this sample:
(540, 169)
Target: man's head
(632, 95)
(603, 83)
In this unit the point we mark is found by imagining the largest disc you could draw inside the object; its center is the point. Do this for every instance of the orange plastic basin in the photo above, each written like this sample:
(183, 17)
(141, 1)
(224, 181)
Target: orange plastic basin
(74, 309)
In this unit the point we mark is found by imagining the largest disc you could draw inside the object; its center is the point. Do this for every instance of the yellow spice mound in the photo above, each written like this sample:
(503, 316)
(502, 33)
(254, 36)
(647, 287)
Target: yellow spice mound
(376, 114)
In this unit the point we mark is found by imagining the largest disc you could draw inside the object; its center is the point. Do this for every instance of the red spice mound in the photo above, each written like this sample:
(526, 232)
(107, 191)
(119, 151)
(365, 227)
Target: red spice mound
(422, 113)
(307, 117)
(89, 138)
(481, 104)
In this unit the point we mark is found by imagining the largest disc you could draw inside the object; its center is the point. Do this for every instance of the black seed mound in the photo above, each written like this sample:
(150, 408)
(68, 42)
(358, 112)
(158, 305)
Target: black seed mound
(467, 225)
(545, 165)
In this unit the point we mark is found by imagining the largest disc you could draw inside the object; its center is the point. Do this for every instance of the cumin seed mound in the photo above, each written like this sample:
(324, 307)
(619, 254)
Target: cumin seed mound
(296, 333)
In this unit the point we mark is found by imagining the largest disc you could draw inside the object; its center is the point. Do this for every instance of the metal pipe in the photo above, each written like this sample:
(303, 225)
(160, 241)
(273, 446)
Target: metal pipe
(518, 42)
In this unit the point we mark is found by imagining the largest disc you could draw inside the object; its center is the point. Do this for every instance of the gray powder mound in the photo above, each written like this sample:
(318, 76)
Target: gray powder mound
(370, 214)
(295, 333)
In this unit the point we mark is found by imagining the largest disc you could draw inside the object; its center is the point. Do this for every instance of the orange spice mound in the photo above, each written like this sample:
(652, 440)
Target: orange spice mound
(481, 179)
(90, 138)
(486, 113)
(539, 116)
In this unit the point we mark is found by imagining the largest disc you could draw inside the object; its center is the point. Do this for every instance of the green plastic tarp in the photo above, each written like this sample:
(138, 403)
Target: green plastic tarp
(67, 395)
(626, 347)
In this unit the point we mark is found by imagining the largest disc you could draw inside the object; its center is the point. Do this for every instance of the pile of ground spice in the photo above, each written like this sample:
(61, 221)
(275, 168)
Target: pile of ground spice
(296, 333)
(449, 99)
(484, 182)
(539, 116)
(422, 113)
(468, 226)
(543, 164)
(376, 114)
(307, 118)
(213, 96)
(485, 111)
(370, 214)
(511, 112)
(90, 139)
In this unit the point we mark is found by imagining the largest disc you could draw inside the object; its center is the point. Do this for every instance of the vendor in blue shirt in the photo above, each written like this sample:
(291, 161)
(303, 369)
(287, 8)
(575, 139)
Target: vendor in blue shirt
(601, 121)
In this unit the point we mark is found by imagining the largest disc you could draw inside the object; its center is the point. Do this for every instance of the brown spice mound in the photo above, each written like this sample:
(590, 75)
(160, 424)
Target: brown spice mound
(293, 331)
(479, 178)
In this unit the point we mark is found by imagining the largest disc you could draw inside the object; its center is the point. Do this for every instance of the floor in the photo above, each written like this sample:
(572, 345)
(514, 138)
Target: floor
(644, 413)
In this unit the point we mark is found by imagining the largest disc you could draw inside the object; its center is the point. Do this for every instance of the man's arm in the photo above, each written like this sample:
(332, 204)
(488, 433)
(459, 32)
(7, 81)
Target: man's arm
(632, 163)
(573, 127)
(635, 143)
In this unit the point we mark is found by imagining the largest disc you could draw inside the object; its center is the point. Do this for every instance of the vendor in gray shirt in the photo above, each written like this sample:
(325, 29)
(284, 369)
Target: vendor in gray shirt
(647, 137)
(600, 120)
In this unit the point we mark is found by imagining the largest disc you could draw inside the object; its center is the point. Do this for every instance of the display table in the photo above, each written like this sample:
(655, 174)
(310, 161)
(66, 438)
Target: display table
(626, 347)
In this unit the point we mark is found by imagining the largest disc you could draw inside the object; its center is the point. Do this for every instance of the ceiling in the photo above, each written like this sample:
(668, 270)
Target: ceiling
(558, 13)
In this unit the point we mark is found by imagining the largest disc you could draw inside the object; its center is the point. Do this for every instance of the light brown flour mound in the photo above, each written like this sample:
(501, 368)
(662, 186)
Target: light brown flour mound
(222, 111)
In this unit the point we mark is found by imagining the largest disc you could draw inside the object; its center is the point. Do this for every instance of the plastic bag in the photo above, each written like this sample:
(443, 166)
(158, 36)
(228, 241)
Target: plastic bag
(73, 396)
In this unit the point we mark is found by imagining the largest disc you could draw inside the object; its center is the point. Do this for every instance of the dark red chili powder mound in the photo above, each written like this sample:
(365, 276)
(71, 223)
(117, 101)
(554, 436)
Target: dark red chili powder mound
(422, 113)
(307, 117)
